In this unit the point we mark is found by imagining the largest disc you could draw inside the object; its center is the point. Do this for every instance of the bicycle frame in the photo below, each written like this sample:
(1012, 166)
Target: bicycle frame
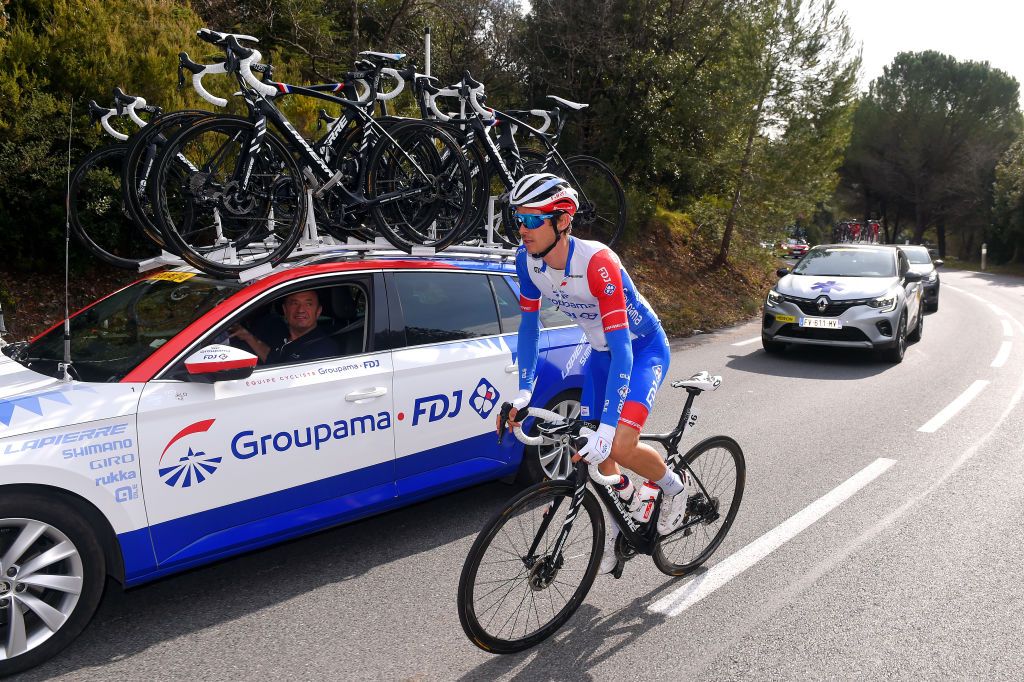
(642, 538)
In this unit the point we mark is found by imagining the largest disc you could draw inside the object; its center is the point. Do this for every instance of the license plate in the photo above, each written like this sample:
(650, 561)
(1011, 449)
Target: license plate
(821, 322)
(785, 318)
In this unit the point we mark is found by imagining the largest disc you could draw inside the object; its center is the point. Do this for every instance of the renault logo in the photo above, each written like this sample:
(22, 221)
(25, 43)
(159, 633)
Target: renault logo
(822, 303)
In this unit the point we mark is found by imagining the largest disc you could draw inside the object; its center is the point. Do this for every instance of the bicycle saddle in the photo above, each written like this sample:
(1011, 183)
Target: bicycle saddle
(702, 381)
(566, 103)
(385, 56)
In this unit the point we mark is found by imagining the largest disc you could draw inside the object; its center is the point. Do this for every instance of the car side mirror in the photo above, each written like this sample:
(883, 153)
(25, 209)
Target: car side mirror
(938, 262)
(782, 272)
(220, 363)
(912, 276)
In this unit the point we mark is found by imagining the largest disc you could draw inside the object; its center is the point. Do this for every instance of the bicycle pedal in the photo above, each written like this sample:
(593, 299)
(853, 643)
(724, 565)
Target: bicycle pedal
(617, 571)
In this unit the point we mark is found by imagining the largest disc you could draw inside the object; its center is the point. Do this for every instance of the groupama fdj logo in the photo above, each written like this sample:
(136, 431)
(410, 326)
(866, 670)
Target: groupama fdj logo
(444, 406)
(192, 467)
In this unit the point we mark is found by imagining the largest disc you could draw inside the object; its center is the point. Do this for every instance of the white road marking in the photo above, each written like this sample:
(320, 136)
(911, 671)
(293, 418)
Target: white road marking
(1003, 354)
(997, 310)
(718, 575)
(958, 404)
(1007, 328)
(748, 341)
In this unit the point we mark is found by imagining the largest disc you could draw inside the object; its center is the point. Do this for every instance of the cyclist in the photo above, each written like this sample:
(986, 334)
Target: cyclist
(630, 358)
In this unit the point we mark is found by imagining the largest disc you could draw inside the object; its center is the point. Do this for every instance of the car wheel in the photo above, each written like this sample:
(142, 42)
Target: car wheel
(772, 347)
(915, 336)
(895, 353)
(552, 462)
(52, 572)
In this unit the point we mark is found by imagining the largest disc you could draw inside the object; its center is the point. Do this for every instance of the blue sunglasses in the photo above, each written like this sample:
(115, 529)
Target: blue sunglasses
(531, 221)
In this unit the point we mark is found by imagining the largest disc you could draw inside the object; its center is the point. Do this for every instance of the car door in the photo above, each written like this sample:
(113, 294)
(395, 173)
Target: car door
(450, 378)
(294, 446)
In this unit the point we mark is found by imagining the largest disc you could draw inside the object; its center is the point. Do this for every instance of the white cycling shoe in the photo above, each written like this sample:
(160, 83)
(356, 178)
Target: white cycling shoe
(673, 509)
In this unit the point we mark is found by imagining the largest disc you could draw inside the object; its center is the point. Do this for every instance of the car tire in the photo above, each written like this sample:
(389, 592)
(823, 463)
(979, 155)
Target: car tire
(772, 347)
(898, 349)
(552, 463)
(915, 336)
(32, 525)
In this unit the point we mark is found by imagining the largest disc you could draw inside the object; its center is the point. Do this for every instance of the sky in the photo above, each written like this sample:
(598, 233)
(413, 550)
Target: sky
(977, 30)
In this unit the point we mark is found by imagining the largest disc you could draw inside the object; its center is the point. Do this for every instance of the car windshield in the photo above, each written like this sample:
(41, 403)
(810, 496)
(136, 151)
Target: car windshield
(844, 262)
(112, 337)
(918, 255)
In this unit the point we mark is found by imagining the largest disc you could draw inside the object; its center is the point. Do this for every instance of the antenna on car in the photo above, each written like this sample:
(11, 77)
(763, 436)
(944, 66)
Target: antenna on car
(3, 327)
(65, 366)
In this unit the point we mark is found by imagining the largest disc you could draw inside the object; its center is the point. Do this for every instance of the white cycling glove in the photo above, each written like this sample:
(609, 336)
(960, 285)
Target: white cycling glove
(599, 443)
(522, 400)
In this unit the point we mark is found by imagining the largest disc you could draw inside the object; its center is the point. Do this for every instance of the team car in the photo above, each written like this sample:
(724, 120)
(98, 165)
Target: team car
(852, 296)
(171, 441)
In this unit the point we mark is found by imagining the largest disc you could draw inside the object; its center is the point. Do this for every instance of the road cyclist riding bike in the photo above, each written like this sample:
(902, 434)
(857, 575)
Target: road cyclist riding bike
(630, 358)
(561, 550)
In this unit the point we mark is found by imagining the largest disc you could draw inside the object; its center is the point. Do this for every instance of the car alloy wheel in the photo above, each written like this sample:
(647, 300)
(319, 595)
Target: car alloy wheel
(41, 578)
(52, 573)
(556, 460)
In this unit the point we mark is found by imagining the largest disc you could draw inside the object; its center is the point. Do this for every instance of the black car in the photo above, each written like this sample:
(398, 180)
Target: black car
(921, 261)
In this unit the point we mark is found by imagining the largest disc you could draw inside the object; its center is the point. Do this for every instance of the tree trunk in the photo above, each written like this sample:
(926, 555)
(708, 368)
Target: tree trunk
(940, 233)
(355, 29)
(730, 221)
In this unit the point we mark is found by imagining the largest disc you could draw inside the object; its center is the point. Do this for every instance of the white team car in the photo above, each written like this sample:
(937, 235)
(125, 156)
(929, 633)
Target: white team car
(171, 446)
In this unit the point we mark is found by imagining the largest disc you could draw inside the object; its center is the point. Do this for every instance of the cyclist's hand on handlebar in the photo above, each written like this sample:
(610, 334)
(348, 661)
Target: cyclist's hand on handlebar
(598, 445)
(507, 413)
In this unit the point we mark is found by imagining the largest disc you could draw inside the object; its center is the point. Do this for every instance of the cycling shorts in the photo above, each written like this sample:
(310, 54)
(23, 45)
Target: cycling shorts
(650, 367)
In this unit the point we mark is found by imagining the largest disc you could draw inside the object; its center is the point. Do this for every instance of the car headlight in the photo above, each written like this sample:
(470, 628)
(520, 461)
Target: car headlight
(885, 303)
(774, 298)
(932, 276)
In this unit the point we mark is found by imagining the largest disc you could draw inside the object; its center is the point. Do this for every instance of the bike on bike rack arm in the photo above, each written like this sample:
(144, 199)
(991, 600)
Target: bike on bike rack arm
(512, 597)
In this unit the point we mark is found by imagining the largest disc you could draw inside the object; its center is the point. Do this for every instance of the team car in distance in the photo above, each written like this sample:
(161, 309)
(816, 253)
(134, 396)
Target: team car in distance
(793, 248)
(204, 417)
(845, 295)
(920, 258)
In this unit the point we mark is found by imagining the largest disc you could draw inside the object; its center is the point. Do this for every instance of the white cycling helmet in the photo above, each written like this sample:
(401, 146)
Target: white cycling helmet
(545, 192)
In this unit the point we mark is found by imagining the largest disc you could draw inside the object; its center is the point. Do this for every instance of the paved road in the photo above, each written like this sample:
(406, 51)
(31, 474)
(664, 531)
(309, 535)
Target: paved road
(914, 575)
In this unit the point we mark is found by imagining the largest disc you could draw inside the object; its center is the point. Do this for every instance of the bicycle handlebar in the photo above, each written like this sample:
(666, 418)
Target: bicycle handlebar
(245, 69)
(198, 71)
(553, 418)
(394, 73)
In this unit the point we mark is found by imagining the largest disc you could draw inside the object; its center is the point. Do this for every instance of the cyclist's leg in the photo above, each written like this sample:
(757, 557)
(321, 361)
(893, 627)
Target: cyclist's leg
(650, 366)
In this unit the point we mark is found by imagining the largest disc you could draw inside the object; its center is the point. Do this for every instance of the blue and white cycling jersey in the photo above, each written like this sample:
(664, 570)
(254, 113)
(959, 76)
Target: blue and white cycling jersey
(596, 293)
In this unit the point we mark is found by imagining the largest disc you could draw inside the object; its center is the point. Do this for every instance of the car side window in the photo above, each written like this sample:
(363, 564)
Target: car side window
(903, 265)
(549, 317)
(326, 321)
(508, 305)
(446, 306)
